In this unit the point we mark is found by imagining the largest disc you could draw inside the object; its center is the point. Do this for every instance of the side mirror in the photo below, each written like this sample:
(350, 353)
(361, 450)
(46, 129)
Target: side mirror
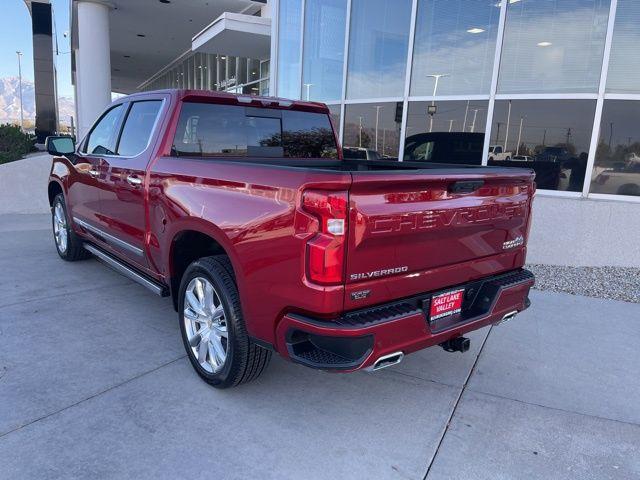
(58, 146)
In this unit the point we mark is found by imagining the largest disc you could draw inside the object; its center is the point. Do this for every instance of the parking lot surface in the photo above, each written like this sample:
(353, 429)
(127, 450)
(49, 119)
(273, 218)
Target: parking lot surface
(94, 383)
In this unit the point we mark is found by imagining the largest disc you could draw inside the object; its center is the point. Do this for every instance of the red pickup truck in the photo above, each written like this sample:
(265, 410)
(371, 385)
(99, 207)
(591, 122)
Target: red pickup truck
(243, 211)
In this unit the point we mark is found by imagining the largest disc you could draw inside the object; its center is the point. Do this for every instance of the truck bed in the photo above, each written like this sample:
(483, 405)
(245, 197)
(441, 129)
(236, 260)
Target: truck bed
(386, 166)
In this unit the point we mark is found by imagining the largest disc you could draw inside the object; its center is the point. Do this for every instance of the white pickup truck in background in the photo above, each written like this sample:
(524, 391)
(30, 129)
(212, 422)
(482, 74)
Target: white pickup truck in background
(496, 152)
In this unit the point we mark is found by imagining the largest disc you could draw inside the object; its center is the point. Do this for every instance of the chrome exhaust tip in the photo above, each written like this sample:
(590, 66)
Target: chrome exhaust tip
(507, 317)
(386, 361)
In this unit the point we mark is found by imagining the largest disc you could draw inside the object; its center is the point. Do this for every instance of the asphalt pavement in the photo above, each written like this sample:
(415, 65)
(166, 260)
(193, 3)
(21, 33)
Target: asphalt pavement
(94, 383)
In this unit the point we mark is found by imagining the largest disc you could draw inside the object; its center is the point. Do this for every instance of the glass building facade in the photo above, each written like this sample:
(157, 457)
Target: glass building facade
(202, 71)
(549, 85)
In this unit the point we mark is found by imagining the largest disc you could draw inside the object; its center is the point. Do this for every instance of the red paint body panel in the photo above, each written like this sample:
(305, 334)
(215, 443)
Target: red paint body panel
(406, 220)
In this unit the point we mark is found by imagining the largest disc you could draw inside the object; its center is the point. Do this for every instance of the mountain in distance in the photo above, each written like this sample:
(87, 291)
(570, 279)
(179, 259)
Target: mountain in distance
(10, 102)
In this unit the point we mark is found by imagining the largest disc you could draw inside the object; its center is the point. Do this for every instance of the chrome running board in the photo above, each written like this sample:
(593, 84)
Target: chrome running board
(127, 271)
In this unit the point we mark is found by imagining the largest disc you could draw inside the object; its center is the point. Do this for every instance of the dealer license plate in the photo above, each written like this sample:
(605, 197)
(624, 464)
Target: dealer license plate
(446, 304)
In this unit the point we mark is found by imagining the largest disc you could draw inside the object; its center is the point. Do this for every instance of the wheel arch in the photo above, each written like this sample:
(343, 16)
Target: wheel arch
(54, 188)
(188, 245)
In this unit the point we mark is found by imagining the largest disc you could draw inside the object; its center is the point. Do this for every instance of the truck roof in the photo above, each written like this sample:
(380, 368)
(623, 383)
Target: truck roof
(236, 99)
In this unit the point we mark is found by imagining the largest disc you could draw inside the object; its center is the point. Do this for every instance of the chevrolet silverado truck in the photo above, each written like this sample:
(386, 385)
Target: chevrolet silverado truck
(243, 211)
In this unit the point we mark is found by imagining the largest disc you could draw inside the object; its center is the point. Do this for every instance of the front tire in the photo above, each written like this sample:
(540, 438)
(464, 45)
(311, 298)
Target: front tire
(213, 328)
(68, 245)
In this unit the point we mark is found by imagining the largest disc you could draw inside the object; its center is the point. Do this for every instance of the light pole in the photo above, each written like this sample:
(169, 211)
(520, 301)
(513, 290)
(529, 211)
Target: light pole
(519, 136)
(466, 113)
(475, 114)
(360, 132)
(436, 77)
(506, 135)
(378, 107)
(19, 53)
(308, 87)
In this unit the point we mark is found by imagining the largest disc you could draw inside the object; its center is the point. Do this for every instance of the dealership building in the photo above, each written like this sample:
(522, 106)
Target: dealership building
(550, 84)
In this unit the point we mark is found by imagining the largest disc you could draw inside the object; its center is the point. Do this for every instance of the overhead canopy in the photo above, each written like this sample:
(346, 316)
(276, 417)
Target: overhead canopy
(237, 35)
(147, 35)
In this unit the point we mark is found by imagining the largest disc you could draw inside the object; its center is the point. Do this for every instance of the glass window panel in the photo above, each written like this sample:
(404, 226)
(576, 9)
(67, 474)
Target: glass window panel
(550, 136)
(222, 72)
(137, 128)
(334, 113)
(189, 73)
(232, 74)
(379, 36)
(325, 22)
(553, 46)
(210, 130)
(617, 164)
(102, 139)
(198, 69)
(372, 131)
(456, 38)
(254, 70)
(243, 71)
(289, 48)
(453, 134)
(624, 64)
(308, 135)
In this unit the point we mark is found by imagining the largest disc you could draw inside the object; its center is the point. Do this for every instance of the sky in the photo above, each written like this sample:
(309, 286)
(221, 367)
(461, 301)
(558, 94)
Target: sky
(16, 35)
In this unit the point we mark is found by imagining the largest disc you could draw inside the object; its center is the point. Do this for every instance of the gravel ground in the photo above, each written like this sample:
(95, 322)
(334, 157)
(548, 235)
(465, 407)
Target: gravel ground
(616, 283)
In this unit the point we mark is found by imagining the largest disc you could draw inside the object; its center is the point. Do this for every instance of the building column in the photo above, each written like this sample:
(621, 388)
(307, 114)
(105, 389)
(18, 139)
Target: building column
(44, 71)
(92, 63)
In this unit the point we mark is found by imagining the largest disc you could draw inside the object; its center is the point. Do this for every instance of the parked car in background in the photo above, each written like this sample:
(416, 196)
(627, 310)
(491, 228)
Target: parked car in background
(624, 180)
(522, 158)
(242, 210)
(465, 148)
(496, 152)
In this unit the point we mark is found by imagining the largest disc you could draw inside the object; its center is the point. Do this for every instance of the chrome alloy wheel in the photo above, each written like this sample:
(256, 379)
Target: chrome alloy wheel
(60, 227)
(205, 323)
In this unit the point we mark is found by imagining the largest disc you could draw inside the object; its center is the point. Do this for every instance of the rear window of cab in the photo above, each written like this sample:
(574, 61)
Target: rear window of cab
(212, 130)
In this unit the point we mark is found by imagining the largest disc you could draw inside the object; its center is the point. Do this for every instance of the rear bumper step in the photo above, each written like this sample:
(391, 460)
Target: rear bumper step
(127, 271)
(361, 339)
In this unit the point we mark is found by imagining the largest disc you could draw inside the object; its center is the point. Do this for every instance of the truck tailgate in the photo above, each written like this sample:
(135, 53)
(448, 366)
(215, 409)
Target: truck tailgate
(424, 231)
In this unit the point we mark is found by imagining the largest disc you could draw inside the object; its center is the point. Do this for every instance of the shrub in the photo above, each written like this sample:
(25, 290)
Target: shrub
(14, 144)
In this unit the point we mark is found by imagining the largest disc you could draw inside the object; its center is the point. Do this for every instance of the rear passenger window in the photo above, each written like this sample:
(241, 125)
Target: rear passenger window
(138, 127)
(211, 130)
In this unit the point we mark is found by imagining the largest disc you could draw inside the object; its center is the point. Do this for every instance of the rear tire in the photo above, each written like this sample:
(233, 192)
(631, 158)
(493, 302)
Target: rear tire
(68, 245)
(213, 328)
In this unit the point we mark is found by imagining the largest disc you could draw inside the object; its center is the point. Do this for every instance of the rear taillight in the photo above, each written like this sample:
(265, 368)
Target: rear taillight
(325, 251)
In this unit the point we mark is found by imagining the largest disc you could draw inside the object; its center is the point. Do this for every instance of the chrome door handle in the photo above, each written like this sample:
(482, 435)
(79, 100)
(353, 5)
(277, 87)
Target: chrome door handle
(94, 173)
(134, 180)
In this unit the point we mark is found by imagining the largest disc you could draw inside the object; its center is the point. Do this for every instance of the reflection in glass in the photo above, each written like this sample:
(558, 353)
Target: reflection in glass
(372, 131)
(379, 37)
(624, 64)
(617, 165)
(334, 113)
(553, 46)
(289, 48)
(550, 136)
(323, 49)
(452, 133)
(456, 37)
